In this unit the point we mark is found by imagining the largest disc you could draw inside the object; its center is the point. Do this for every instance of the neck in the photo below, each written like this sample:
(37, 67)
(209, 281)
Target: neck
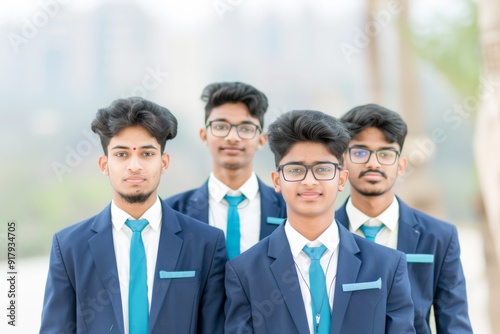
(310, 227)
(234, 179)
(372, 206)
(136, 210)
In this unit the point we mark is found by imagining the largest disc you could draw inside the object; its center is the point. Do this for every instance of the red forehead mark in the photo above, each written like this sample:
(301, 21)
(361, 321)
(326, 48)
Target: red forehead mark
(133, 148)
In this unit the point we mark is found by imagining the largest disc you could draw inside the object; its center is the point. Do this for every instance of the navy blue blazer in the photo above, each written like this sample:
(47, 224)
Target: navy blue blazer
(264, 296)
(194, 203)
(82, 294)
(441, 282)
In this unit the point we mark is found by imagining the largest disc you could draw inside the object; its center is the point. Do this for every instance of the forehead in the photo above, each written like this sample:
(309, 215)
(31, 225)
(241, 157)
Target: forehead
(133, 136)
(308, 153)
(233, 113)
(373, 138)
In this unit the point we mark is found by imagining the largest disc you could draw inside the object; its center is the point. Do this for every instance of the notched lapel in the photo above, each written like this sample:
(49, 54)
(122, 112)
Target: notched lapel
(347, 272)
(103, 254)
(409, 230)
(169, 250)
(285, 274)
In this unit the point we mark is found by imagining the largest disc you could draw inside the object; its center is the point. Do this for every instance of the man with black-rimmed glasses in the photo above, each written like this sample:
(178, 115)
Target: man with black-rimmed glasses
(373, 210)
(233, 198)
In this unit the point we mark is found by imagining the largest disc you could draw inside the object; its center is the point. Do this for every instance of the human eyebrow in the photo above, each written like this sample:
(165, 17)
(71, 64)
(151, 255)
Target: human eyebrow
(145, 147)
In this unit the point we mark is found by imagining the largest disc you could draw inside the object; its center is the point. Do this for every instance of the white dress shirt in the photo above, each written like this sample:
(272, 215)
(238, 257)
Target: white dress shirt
(388, 235)
(329, 260)
(248, 209)
(122, 236)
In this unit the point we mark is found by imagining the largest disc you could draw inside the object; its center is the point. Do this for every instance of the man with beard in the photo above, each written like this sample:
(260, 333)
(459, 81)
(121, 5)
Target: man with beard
(138, 266)
(374, 162)
(233, 198)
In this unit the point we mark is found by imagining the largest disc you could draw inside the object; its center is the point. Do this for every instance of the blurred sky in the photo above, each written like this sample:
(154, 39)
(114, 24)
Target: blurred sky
(81, 55)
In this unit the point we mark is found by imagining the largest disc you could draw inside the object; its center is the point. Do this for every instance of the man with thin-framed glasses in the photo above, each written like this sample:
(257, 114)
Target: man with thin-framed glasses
(233, 198)
(373, 210)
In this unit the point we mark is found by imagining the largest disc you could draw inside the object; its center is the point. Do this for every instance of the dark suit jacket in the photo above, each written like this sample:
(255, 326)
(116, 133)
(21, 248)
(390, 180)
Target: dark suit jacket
(264, 296)
(82, 294)
(194, 203)
(440, 283)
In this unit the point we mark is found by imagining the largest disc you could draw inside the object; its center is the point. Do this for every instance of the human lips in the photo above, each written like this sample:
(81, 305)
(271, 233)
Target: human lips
(309, 194)
(135, 179)
(231, 149)
(372, 175)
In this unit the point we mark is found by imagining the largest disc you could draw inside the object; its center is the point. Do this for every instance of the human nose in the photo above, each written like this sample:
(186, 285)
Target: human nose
(134, 163)
(309, 178)
(373, 160)
(233, 133)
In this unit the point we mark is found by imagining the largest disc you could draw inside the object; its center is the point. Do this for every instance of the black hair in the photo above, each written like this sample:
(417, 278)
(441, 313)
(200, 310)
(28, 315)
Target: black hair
(134, 111)
(298, 126)
(219, 93)
(373, 115)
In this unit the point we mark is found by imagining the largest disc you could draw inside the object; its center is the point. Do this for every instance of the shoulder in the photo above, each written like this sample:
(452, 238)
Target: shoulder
(192, 225)
(253, 259)
(429, 226)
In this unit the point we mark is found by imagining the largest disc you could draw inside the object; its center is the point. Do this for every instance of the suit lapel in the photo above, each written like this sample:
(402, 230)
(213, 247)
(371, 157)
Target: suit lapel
(197, 207)
(169, 250)
(409, 232)
(285, 274)
(103, 253)
(347, 272)
(269, 207)
(341, 216)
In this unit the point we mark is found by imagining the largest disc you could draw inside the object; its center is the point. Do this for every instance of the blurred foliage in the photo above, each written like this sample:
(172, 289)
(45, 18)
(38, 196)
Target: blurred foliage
(451, 44)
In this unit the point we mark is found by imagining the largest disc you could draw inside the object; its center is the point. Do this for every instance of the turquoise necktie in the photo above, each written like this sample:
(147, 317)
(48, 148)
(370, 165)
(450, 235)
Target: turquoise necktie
(138, 309)
(370, 232)
(233, 226)
(317, 282)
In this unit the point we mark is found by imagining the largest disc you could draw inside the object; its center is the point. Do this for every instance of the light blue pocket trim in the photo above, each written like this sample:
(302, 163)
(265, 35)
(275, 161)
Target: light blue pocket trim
(176, 274)
(362, 286)
(420, 258)
(275, 220)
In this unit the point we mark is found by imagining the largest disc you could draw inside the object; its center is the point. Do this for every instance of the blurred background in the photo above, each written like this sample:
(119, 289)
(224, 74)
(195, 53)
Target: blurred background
(436, 63)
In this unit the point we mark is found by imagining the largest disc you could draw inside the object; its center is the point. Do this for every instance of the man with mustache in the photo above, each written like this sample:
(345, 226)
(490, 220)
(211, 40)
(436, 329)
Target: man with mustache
(233, 132)
(374, 162)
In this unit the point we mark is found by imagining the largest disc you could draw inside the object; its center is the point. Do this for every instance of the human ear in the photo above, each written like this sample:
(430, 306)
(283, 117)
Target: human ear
(275, 176)
(102, 161)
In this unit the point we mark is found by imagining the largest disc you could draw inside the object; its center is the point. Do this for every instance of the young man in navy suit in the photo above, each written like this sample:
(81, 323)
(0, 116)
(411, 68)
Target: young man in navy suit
(374, 163)
(233, 132)
(138, 266)
(311, 275)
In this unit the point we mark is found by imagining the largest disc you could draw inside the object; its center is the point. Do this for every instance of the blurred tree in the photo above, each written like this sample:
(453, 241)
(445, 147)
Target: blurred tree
(487, 138)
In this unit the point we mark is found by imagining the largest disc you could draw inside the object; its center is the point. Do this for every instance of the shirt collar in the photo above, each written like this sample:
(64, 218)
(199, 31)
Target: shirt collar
(389, 217)
(152, 215)
(329, 238)
(217, 189)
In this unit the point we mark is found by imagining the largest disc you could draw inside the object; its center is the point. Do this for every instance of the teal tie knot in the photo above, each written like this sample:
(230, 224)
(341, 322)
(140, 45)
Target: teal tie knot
(136, 225)
(233, 226)
(315, 253)
(371, 232)
(234, 200)
(138, 306)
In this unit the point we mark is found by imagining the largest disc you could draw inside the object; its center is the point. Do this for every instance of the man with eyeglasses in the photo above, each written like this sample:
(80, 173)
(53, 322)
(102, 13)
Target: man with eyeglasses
(233, 198)
(311, 275)
(374, 162)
